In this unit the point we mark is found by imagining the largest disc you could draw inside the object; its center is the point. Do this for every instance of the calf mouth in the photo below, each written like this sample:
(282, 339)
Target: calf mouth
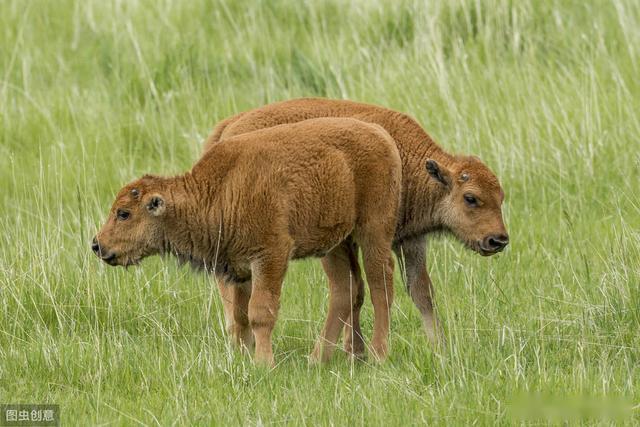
(485, 252)
(114, 259)
(110, 259)
(131, 261)
(126, 262)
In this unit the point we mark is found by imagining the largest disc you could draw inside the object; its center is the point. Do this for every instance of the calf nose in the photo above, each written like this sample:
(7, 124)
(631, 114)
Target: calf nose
(95, 247)
(496, 242)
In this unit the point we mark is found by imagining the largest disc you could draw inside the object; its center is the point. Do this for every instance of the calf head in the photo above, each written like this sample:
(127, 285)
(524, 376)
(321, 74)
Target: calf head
(134, 228)
(471, 205)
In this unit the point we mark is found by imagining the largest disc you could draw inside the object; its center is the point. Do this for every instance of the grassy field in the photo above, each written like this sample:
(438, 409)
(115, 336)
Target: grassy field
(94, 94)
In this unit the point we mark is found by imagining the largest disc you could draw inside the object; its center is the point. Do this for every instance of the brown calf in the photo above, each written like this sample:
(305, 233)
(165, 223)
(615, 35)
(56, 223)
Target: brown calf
(255, 201)
(459, 194)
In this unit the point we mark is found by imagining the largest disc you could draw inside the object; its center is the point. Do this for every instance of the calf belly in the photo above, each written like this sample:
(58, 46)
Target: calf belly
(318, 241)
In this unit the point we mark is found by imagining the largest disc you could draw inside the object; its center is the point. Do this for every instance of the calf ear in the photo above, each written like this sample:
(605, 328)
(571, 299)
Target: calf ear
(439, 174)
(156, 205)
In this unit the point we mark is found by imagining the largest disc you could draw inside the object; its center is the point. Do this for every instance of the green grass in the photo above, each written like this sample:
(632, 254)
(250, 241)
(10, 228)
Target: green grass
(94, 94)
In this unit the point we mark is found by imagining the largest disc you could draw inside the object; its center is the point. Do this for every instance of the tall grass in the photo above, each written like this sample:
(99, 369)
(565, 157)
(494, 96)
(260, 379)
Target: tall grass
(94, 94)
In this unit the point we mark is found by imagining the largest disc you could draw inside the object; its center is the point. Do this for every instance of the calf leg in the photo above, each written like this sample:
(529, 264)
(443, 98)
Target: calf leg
(378, 266)
(235, 300)
(353, 338)
(267, 274)
(412, 256)
(343, 302)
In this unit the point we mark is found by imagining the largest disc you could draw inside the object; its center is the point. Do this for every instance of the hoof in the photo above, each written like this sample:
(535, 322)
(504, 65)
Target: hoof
(320, 355)
(379, 353)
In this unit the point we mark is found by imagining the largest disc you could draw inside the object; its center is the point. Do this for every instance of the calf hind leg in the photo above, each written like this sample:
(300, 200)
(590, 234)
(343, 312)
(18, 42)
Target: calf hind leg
(378, 265)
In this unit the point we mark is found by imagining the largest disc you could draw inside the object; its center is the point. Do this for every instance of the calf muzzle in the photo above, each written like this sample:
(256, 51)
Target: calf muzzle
(101, 253)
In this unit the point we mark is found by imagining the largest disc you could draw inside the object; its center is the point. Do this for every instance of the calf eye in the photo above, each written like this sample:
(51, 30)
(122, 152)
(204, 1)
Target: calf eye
(122, 215)
(470, 200)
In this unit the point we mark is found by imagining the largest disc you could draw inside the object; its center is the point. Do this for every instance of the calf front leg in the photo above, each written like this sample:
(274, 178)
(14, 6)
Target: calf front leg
(267, 274)
(235, 300)
(353, 338)
(412, 256)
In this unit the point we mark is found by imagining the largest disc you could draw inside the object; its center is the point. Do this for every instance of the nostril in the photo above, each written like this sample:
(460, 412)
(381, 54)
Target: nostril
(498, 241)
(94, 245)
(502, 239)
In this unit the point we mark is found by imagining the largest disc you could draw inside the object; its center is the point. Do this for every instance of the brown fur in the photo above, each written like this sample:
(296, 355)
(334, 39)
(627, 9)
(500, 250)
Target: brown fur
(259, 199)
(427, 204)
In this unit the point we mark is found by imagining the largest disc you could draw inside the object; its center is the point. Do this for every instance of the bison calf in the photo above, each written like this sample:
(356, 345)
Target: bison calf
(259, 199)
(457, 194)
